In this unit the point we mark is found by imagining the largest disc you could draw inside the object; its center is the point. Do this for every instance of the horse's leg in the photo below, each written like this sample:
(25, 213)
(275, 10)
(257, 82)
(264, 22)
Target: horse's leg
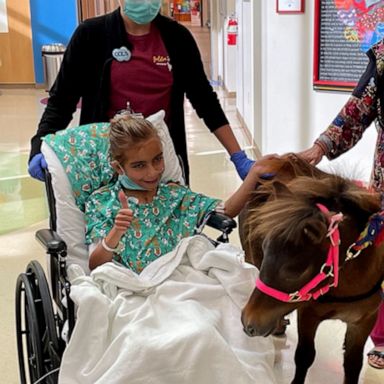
(307, 324)
(355, 339)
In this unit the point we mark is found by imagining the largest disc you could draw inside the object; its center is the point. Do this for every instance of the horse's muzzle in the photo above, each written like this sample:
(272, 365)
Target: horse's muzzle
(252, 330)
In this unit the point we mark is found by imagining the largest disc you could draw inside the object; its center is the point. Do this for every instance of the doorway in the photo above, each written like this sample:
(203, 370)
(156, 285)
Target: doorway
(190, 11)
(16, 64)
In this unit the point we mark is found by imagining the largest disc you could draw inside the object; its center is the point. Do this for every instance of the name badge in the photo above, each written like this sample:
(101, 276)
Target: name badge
(122, 54)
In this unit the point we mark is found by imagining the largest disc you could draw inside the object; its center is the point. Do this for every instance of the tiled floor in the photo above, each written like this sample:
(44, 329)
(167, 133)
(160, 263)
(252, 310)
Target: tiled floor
(22, 211)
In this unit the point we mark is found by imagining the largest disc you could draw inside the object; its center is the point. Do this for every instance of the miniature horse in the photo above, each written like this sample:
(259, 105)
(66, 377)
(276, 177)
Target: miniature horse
(301, 230)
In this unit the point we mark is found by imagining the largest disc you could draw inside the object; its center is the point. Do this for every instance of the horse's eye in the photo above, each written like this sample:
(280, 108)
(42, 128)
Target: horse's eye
(298, 270)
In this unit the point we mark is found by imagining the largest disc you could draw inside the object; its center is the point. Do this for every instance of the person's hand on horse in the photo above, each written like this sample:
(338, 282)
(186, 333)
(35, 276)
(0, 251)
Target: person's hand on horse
(242, 163)
(312, 155)
(36, 167)
(124, 216)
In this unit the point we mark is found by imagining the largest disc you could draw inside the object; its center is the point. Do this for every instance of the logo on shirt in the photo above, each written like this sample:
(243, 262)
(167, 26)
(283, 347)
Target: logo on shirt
(121, 54)
(162, 61)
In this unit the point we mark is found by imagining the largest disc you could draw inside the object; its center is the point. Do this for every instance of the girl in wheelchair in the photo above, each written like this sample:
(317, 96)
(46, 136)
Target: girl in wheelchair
(138, 218)
(167, 309)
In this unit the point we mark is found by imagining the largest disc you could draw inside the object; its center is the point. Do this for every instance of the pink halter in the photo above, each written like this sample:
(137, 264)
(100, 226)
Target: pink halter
(329, 269)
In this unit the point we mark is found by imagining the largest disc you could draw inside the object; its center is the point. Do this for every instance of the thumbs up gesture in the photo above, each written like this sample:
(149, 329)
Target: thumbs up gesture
(124, 217)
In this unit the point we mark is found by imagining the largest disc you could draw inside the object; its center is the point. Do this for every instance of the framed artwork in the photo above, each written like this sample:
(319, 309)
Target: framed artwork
(290, 6)
(344, 32)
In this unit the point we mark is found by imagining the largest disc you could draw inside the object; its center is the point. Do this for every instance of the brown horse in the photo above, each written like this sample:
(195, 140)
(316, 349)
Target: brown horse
(299, 229)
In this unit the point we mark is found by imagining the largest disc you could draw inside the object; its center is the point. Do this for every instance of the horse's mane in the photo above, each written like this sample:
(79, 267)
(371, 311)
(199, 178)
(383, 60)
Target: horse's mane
(280, 208)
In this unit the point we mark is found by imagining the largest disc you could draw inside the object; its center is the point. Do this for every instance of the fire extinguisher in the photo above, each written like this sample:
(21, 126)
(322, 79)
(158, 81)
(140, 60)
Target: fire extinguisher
(232, 29)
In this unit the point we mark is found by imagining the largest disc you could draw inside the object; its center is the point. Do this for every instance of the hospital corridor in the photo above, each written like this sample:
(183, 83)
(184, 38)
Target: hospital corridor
(23, 211)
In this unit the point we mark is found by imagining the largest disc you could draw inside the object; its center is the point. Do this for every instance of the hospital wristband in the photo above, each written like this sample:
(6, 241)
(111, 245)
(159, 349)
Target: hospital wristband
(109, 249)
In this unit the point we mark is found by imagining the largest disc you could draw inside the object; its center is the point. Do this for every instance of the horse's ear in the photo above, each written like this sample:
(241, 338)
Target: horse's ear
(315, 230)
(280, 189)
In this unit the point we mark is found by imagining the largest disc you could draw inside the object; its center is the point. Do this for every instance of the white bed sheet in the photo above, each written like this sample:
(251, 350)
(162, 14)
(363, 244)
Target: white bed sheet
(177, 322)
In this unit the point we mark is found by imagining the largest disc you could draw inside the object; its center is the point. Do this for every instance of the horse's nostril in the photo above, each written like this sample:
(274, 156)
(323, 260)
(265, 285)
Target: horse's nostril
(250, 331)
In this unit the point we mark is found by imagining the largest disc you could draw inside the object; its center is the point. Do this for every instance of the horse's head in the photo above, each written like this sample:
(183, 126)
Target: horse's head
(285, 169)
(296, 230)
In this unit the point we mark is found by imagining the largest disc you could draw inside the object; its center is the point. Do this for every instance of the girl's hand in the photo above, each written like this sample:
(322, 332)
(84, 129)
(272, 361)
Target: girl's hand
(124, 217)
(263, 168)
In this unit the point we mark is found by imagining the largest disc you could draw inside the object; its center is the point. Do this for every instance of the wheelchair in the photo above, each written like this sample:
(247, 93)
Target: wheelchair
(45, 313)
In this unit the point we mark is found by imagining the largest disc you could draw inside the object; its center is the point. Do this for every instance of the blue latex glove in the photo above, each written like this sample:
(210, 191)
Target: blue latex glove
(36, 166)
(242, 163)
(267, 176)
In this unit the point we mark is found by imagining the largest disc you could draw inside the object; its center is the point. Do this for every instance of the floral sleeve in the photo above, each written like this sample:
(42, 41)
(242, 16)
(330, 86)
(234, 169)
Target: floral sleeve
(355, 117)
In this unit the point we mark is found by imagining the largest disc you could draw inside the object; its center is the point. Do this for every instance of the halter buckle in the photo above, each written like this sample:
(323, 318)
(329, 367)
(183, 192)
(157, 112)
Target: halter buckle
(294, 297)
(351, 254)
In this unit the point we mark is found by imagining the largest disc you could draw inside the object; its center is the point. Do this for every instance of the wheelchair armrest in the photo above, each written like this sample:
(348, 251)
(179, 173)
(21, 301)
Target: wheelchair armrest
(51, 241)
(221, 222)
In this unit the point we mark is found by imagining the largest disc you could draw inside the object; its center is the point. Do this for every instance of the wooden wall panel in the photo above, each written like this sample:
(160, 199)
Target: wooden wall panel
(16, 57)
(92, 8)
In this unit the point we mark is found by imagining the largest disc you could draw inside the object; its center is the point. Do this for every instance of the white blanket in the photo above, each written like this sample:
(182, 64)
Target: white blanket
(177, 322)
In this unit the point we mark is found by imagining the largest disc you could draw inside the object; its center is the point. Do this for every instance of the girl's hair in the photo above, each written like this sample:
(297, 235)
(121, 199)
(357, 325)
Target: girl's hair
(127, 131)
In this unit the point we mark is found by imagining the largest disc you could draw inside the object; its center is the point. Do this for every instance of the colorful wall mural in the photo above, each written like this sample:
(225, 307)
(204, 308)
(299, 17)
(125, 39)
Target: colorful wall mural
(363, 21)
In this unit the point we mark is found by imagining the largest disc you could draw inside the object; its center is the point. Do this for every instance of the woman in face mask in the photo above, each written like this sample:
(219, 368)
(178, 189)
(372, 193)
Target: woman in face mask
(134, 55)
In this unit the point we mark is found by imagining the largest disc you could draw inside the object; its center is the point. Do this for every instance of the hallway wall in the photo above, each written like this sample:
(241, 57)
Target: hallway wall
(52, 21)
(223, 60)
(246, 69)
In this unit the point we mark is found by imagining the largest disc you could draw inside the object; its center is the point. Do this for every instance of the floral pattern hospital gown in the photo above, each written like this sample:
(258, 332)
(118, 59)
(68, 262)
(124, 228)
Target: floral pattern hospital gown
(157, 227)
(84, 154)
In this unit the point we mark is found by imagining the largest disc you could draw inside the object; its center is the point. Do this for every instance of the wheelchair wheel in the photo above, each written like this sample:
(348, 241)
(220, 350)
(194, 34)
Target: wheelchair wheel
(37, 341)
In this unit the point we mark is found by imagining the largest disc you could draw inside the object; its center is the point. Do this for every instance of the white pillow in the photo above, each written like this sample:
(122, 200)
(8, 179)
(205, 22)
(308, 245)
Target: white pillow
(70, 219)
(172, 170)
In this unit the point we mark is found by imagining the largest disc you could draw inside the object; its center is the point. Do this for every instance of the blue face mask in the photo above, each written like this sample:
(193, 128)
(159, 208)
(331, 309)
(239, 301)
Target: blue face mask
(141, 11)
(127, 183)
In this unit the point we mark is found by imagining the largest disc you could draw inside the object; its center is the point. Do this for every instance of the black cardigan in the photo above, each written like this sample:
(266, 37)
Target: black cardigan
(84, 74)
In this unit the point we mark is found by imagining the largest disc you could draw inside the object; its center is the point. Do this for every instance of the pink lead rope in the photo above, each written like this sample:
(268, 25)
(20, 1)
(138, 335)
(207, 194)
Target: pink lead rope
(329, 269)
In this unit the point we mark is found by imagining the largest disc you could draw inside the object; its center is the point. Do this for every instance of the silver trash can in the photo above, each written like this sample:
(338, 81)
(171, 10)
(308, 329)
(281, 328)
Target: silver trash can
(52, 57)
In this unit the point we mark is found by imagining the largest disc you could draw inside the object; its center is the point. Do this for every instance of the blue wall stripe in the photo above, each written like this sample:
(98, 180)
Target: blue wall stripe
(52, 21)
